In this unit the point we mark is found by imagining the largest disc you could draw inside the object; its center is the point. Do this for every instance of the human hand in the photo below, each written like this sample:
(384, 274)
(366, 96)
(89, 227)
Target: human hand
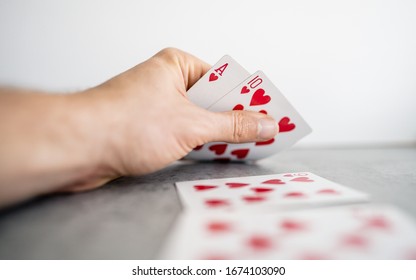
(151, 123)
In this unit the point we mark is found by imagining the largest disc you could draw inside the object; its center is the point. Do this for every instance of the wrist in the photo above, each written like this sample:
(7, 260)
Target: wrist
(91, 127)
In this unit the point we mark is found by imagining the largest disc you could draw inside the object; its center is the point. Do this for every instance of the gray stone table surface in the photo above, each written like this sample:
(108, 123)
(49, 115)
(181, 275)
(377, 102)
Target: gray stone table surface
(130, 217)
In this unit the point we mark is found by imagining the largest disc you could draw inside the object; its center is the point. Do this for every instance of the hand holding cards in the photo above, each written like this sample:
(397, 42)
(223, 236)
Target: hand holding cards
(276, 216)
(226, 87)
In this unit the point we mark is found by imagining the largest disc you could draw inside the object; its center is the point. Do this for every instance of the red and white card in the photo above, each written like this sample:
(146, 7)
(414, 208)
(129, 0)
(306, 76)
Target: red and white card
(256, 93)
(348, 232)
(218, 81)
(264, 193)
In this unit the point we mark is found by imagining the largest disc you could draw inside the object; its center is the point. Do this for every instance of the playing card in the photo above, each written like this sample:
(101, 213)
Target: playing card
(264, 193)
(218, 81)
(256, 93)
(349, 232)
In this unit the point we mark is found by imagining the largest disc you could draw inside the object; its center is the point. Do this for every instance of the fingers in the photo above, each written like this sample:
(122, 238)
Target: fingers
(241, 126)
(191, 67)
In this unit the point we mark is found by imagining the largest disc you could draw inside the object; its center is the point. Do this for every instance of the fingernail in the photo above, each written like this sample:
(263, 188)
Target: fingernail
(267, 128)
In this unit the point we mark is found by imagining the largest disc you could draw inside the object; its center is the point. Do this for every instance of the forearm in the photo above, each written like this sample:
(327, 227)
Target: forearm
(48, 143)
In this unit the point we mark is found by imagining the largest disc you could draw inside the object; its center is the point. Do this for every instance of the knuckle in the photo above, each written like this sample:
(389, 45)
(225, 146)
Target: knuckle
(169, 56)
(170, 53)
(239, 126)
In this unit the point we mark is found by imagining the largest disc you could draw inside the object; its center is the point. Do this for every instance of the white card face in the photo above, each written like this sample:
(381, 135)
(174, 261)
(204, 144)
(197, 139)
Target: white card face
(256, 93)
(264, 193)
(217, 82)
(349, 232)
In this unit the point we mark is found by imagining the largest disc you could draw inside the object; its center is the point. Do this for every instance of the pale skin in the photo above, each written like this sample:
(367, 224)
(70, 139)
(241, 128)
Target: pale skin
(136, 123)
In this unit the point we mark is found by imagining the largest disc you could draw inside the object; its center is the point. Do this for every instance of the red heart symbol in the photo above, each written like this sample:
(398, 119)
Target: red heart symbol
(213, 77)
(379, 222)
(215, 257)
(260, 243)
(288, 175)
(244, 89)
(268, 142)
(219, 226)
(216, 202)
(285, 126)
(263, 112)
(355, 240)
(218, 149)
(240, 154)
(238, 107)
(197, 148)
(204, 187)
(313, 256)
(291, 225)
(253, 198)
(302, 179)
(274, 182)
(328, 191)
(262, 190)
(236, 185)
(295, 194)
(259, 98)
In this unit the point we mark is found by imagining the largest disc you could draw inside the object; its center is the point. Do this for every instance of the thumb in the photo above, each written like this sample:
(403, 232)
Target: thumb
(241, 126)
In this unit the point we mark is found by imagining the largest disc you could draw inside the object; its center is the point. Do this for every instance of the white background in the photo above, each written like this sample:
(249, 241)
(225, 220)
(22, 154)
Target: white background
(349, 67)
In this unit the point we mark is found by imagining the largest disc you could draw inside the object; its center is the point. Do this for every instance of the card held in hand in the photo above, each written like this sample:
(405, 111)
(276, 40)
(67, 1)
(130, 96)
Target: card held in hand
(256, 93)
(218, 81)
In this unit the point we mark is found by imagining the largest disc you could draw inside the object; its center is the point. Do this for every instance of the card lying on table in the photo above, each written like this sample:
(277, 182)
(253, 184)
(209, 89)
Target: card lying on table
(264, 193)
(348, 232)
(226, 87)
